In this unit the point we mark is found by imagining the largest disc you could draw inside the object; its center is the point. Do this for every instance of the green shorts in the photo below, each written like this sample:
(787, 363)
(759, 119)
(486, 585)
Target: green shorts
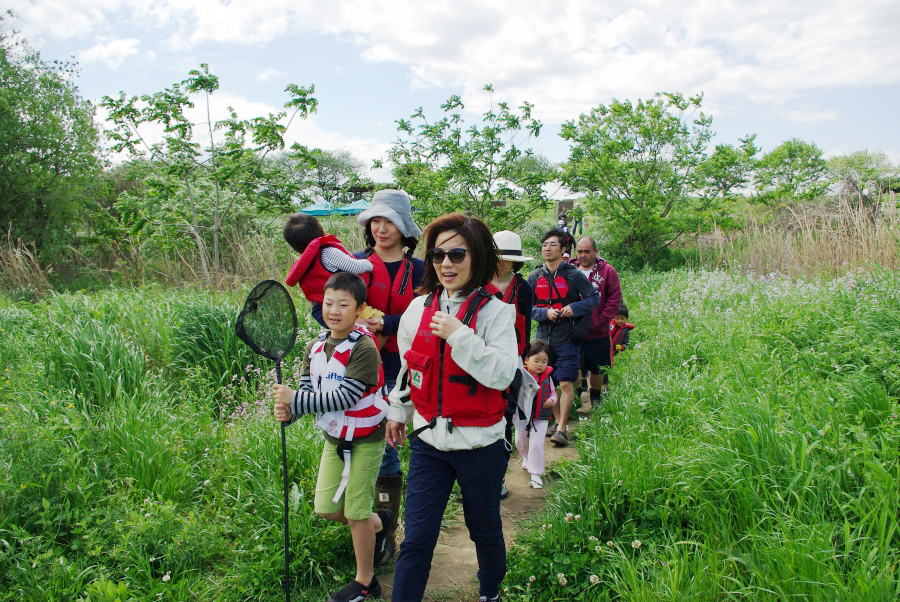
(359, 496)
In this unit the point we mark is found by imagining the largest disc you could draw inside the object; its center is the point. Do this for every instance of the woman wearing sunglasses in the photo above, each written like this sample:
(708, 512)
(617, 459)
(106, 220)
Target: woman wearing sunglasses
(458, 345)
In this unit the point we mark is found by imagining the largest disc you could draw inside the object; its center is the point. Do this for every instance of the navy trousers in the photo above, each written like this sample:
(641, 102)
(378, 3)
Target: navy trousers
(428, 487)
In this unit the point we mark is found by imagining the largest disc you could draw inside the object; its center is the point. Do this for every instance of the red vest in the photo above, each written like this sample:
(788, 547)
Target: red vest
(438, 386)
(543, 394)
(617, 335)
(366, 416)
(390, 297)
(554, 295)
(309, 272)
(511, 297)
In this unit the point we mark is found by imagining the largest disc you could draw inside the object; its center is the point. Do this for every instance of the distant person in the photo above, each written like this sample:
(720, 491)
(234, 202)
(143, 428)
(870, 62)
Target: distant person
(577, 216)
(391, 237)
(596, 356)
(321, 255)
(562, 222)
(509, 286)
(342, 382)
(620, 331)
(532, 422)
(563, 303)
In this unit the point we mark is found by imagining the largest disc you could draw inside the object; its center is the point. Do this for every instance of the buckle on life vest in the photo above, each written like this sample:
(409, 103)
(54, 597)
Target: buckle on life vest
(449, 425)
(465, 379)
(343, 446)
(416, 432)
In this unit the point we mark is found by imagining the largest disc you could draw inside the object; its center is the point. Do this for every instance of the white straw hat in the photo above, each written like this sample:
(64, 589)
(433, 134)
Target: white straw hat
(510, 246)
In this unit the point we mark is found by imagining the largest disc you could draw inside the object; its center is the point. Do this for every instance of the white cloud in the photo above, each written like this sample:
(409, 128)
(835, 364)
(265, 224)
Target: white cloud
(268, 74)
(565, 57)
(112, 53)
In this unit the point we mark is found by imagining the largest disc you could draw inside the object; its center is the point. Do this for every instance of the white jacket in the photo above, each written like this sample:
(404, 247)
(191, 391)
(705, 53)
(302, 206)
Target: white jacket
(489, 354)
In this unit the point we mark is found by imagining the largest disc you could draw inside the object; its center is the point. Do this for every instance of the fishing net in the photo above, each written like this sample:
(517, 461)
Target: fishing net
(268, 322)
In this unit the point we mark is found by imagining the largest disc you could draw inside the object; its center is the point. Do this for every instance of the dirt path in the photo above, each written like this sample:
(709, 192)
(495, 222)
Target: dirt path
(453, 569)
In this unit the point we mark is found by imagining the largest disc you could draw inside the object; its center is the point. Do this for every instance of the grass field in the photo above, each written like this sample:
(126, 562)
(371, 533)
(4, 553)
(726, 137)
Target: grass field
(748, 451)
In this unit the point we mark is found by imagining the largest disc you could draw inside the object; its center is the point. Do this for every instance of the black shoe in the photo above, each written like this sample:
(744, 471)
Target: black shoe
(486, 599)
(356, 591)
(382, 554)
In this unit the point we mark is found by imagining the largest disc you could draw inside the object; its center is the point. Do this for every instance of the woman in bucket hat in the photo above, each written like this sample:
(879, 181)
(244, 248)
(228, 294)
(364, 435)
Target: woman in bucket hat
(391, 237)
(510, 287)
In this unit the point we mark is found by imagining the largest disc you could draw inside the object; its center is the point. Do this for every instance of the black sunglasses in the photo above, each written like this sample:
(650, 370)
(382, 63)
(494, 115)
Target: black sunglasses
(437, 255)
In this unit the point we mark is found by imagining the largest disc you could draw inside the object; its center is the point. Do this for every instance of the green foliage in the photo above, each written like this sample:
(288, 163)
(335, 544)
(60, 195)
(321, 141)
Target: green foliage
(639, 165)
(120, 483)
(482, 172)
(48, 144)
(794, 170)
(748, 449)
(187, 198)
(863, 175)
(319, 175)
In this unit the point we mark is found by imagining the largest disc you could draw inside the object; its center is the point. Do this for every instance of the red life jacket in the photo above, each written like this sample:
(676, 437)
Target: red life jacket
(309, 271)
(539, 412)
(511, 297)
(391, 297)
(616, 334)
(555, 294)
(438, 386)
(326, 375)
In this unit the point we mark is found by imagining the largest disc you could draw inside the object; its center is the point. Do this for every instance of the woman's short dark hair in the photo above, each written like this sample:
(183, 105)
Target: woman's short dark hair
(350, 283)
(561, 237)
(301, 229)
(410, 242)
(537, 346)
(485, 258)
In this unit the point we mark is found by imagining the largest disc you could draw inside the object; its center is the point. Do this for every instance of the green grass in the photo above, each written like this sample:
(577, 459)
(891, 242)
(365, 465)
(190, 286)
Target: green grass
(748, 451)
(749, 444)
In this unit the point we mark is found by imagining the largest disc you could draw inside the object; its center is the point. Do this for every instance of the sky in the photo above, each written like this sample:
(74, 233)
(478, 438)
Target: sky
(824, 71)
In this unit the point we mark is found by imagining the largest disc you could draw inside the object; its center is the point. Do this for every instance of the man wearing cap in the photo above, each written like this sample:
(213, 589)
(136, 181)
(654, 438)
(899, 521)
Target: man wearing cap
(562, 308)
(596, 356)
(388, 229)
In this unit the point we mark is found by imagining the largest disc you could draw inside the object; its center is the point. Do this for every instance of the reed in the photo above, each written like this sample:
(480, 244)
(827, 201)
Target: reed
(809, 239)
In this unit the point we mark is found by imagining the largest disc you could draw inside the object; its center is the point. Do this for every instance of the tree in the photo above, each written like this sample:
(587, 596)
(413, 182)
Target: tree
(185, 191)
(639, 163)
(728, 169)
(49, 151)
(863, 175)
(480, 171)
(323, 175)
(793, 171)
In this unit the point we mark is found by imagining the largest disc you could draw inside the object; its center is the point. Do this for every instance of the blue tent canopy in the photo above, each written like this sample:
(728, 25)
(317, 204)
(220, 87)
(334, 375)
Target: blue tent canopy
(321, 208)
(353, 208)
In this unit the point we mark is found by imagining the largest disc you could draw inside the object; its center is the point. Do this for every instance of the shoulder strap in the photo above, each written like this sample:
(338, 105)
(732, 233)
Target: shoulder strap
(480, 297)
(407, 275)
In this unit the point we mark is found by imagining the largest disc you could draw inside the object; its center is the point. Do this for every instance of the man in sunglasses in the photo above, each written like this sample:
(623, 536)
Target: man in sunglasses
(562, 308)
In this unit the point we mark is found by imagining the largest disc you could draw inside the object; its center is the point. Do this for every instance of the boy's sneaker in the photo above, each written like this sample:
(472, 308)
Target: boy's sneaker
(382, 554)
(504, 492)
(356, 591)
(492, 599)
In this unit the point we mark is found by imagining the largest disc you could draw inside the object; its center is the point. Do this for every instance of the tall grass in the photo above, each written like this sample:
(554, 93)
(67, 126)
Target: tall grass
(20, 272)
(749, 449)
(810, 239)
(120, 483)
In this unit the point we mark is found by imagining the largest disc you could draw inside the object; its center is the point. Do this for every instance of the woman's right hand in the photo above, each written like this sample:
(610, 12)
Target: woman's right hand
(395, 433)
